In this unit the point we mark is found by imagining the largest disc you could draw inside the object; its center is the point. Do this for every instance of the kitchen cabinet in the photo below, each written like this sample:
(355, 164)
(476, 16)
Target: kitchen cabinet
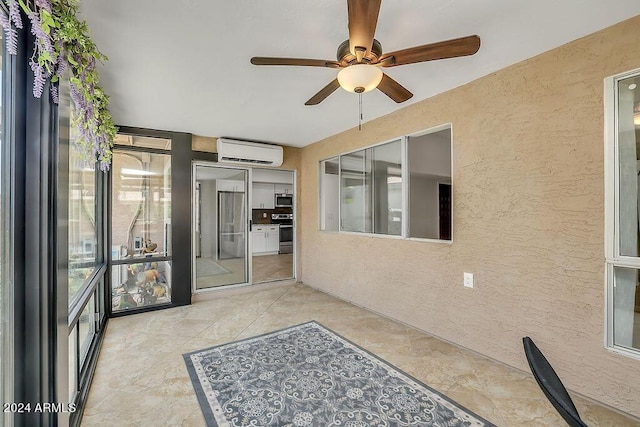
(266, 239)
(263, 196)
(230, 185)
(283, 188)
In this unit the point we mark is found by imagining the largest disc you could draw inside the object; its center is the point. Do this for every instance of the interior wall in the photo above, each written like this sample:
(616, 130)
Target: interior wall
(424, 216)
(528, 219)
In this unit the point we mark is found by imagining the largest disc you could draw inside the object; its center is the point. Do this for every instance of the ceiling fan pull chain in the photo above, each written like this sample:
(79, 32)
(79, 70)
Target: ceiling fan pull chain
(360, 111)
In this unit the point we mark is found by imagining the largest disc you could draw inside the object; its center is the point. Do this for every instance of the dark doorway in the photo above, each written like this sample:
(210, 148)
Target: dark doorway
(444, 196)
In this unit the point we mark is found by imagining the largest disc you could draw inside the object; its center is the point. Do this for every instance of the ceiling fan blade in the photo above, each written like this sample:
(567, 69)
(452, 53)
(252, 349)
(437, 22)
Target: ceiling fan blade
(260, 60)
(447, 49)
(324, 92)
(363, 18)
(393, 89)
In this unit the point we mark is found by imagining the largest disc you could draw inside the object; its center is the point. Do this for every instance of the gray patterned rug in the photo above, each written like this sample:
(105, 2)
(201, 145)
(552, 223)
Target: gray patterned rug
(307, 375)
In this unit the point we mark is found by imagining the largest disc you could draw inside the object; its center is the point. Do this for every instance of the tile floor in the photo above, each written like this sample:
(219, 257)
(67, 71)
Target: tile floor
(266, 268)
(141, 377)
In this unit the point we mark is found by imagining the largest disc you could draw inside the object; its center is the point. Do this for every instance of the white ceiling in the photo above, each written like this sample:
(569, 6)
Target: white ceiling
(183, 65)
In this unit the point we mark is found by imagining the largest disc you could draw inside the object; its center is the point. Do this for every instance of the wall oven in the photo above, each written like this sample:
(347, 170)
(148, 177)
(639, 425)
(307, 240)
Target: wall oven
(284, 200)
(286, 231)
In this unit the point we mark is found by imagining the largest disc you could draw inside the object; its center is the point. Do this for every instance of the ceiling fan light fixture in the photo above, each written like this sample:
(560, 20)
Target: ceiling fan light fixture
(360, 78)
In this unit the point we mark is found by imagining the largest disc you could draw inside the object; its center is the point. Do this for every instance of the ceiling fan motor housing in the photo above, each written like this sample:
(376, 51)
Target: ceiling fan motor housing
(345, 56)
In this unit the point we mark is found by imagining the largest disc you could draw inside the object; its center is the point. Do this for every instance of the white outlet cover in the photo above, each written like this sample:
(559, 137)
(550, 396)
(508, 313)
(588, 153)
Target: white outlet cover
(468, 280)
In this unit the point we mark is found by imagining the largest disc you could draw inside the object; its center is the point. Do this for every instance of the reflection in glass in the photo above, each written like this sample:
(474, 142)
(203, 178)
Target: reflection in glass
(140, 284)
(628, 159)
(371, 190)
(329, 194)
(626, 302)
(87, 328)
(82, 218)
(430, 207)
(73, 363)
(355, 191)
(626, 288)
(220, 208)
(141, 204)
(387, 188)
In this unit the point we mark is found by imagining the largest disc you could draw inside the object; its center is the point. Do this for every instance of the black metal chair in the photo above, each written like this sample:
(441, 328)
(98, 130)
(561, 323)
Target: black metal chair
(550, 384)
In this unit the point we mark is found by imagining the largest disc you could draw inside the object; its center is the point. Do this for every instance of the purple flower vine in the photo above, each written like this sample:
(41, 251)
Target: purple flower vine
(64, 49)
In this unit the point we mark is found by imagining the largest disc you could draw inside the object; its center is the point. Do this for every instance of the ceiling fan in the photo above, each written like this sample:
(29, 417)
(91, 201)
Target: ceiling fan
(360, 58)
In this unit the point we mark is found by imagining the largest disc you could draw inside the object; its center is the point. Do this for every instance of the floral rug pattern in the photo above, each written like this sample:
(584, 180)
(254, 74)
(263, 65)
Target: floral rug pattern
(307, 375)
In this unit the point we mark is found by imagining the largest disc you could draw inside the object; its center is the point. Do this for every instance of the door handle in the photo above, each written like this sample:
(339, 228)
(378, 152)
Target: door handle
(250, 225)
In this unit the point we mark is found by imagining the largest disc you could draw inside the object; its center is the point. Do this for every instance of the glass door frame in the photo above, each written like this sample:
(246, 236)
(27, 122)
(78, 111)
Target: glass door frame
(180, 218)
(248, 226)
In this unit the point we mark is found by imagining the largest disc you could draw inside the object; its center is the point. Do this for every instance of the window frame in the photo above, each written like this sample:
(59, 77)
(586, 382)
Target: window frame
(405, 173)
(613, 257)
(166, 257)
(7, 222)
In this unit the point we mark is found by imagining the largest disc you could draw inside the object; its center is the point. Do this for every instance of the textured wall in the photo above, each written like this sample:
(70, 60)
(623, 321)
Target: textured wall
(528, 202)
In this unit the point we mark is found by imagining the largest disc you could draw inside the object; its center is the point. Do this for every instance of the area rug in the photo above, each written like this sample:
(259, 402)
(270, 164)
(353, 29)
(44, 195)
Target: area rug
(307, 375)
(206, 267)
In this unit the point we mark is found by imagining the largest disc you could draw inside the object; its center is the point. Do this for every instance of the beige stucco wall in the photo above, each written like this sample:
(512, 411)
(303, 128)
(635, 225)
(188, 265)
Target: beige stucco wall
(528, 196)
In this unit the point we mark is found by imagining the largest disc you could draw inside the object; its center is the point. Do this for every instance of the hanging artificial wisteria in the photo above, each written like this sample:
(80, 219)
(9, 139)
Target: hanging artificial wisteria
(62, 42)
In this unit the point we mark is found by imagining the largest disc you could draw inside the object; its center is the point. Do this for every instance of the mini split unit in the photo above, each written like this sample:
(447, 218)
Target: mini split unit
(248, 153)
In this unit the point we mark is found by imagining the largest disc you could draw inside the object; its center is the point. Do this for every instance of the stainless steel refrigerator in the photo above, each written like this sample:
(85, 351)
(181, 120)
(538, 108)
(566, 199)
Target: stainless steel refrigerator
(232, 221)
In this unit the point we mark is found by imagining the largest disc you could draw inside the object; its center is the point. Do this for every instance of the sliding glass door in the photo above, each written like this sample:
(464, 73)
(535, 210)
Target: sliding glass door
(220, 240)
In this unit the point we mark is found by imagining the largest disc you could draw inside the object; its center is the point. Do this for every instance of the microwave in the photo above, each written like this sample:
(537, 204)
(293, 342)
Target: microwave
(284, 200)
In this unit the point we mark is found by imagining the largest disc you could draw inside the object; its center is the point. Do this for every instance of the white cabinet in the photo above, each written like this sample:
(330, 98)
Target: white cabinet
(259, 239)
(272, 175)
(263, 196)
(273, 238)
(283, 188)
(230, 185)
(266, 239)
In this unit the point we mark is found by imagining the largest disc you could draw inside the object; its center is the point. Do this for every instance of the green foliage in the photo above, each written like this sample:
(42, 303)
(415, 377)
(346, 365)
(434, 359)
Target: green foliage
(73, 46)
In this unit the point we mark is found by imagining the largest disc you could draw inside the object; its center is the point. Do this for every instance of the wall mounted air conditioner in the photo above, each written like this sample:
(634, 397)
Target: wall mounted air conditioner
(248, 153)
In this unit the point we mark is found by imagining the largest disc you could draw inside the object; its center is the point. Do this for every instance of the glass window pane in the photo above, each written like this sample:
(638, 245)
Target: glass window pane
(6, 320)
(628, 128)
(430, 209)
(329, 190)
(626, 308)
(141, 204)
(73, 363)
(355, 192)
(221, 226)
(87, 329)
(140, 285)
(82, 218)
(142, 142)
(387, 188)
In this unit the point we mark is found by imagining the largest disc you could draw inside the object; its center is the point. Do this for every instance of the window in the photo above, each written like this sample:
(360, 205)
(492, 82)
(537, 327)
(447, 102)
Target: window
(371, 190)
(81, 229)
(83, 233)
(398, 188)
(6, 312)
(329, 194)
(622, 109)
(430, 185)
(140, 223)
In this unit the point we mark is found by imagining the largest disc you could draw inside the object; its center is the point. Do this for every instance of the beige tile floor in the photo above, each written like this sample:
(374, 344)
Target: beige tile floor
(141, 377)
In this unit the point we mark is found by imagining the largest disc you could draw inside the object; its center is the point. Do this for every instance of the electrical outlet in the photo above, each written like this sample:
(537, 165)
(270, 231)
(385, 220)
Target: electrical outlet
(264, 214)
(468, 280)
